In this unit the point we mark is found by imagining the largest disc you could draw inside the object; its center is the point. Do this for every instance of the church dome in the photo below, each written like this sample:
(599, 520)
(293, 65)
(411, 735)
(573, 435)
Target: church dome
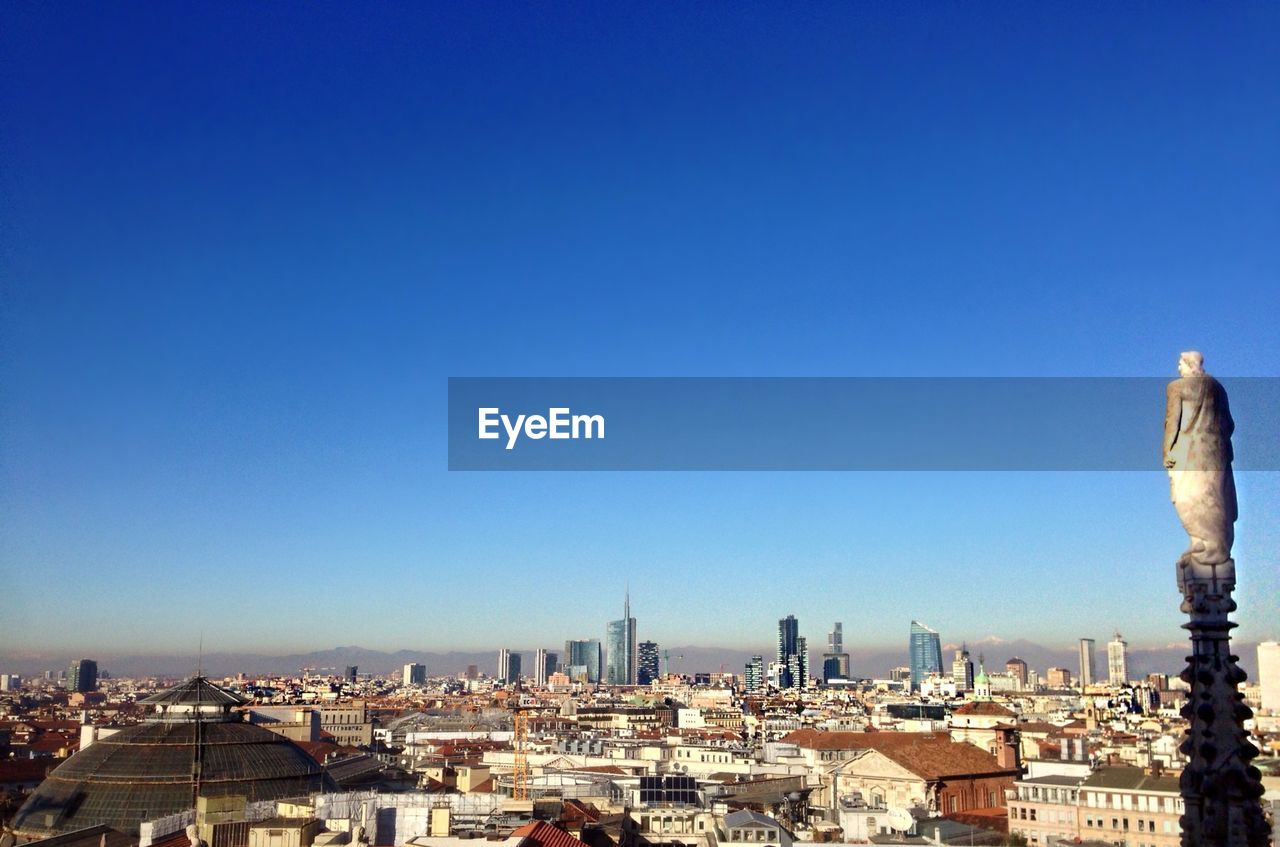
(192, 744)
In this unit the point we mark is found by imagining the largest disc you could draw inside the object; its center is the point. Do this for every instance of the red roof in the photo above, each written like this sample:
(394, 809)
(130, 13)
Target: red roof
(986, 708)
(929, 755)
(543, 834)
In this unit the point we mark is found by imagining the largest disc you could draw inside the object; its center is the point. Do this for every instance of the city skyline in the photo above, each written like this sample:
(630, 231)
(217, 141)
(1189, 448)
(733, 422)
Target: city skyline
(229, 322)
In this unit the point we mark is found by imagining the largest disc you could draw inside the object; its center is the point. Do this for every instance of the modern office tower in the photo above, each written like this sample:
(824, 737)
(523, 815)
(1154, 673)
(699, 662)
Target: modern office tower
(835, 666)
(793, 657)
(798, 665)
(1017, 669)
(835, 638)
(1058, 678)
(586, 655)
(1117, 660)
(962, 669)
(82, 675)
(414, 674)
(1269, 676)
(550, 662)
(1088, 667)
(473, 671)
(925, 648)
(620, 648)
(508, 667)
(755, 675)
(10, 682)
(647, 662)
(540, 667)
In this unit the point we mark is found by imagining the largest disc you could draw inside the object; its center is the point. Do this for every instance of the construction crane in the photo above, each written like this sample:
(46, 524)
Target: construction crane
(666, 661)
(520, 764)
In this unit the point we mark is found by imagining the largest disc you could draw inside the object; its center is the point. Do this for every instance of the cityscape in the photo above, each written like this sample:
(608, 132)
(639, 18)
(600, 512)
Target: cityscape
(639, 424)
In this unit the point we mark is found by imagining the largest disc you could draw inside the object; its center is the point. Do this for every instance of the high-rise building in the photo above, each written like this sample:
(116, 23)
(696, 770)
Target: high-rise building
(540, 672)
(351, 673)
(583, 654)
(1088, 666)
(962, 669)
(835, 652)
(793, 658)
(508, 667)
(1117, 660)
(754, 675)
(1058, 678)
(82, 675)
(925, 647)
(647, 662)
(1269, 676)
(473, 671)
(1017, 669)
(620, 648)
(414, 674)
(10, 682)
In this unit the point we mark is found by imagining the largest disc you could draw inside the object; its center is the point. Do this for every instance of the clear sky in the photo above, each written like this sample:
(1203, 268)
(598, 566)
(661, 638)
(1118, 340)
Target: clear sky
(243, 247)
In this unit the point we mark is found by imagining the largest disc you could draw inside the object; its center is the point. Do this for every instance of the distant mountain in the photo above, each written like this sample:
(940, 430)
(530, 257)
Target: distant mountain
(865, 662)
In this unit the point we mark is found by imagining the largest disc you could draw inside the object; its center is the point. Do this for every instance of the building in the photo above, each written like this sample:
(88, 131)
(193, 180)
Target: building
(793, 655)
(1017, 668)
(351, 673)
(962, 670)
(1088, 668)
(414, 674)
(1045, 809)
(1117, 660)
(1131, 806)
(647, 663)
(835, 662)
(754, 675)
(540, 672)
(925, 648)
(82, 675)
(1058, 678)
(620, 648)
(145, 771)
(508, 667)
(1269, 676)
(10, 682)
(585, 657)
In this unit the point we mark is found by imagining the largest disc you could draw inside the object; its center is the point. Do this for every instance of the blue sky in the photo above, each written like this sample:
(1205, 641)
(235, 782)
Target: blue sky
(244, 247)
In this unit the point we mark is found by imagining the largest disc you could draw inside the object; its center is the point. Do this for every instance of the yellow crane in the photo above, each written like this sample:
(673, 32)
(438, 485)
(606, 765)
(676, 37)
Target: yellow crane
(520, 769)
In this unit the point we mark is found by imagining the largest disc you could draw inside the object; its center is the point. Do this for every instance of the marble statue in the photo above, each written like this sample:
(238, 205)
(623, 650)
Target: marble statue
(1197, 454)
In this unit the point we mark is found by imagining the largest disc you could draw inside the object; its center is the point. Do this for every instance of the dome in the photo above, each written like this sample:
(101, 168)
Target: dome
(149, 770)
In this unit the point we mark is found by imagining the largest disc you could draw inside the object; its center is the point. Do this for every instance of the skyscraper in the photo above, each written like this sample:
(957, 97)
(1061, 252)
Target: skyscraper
(620, 648)
(793, 658)
(925, 648)
(585, 657)
(835, 653)
(755, 675)
(540, 667)
(82, 675)
(414, 674)
(351, 673)
(1088, 667)
(1269, 676)
(647, 663)
(962, 669)
(1117, 660)
(1017, 668)
(508, 667)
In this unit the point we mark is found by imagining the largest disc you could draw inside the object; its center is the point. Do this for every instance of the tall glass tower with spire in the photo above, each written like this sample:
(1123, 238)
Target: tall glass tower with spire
(620, 648)
(926, 653)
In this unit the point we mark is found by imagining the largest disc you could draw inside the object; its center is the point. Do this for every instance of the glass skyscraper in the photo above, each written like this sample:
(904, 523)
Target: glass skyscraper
(586, 655)
(793, 655)
(926, 653)
(620, 648)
